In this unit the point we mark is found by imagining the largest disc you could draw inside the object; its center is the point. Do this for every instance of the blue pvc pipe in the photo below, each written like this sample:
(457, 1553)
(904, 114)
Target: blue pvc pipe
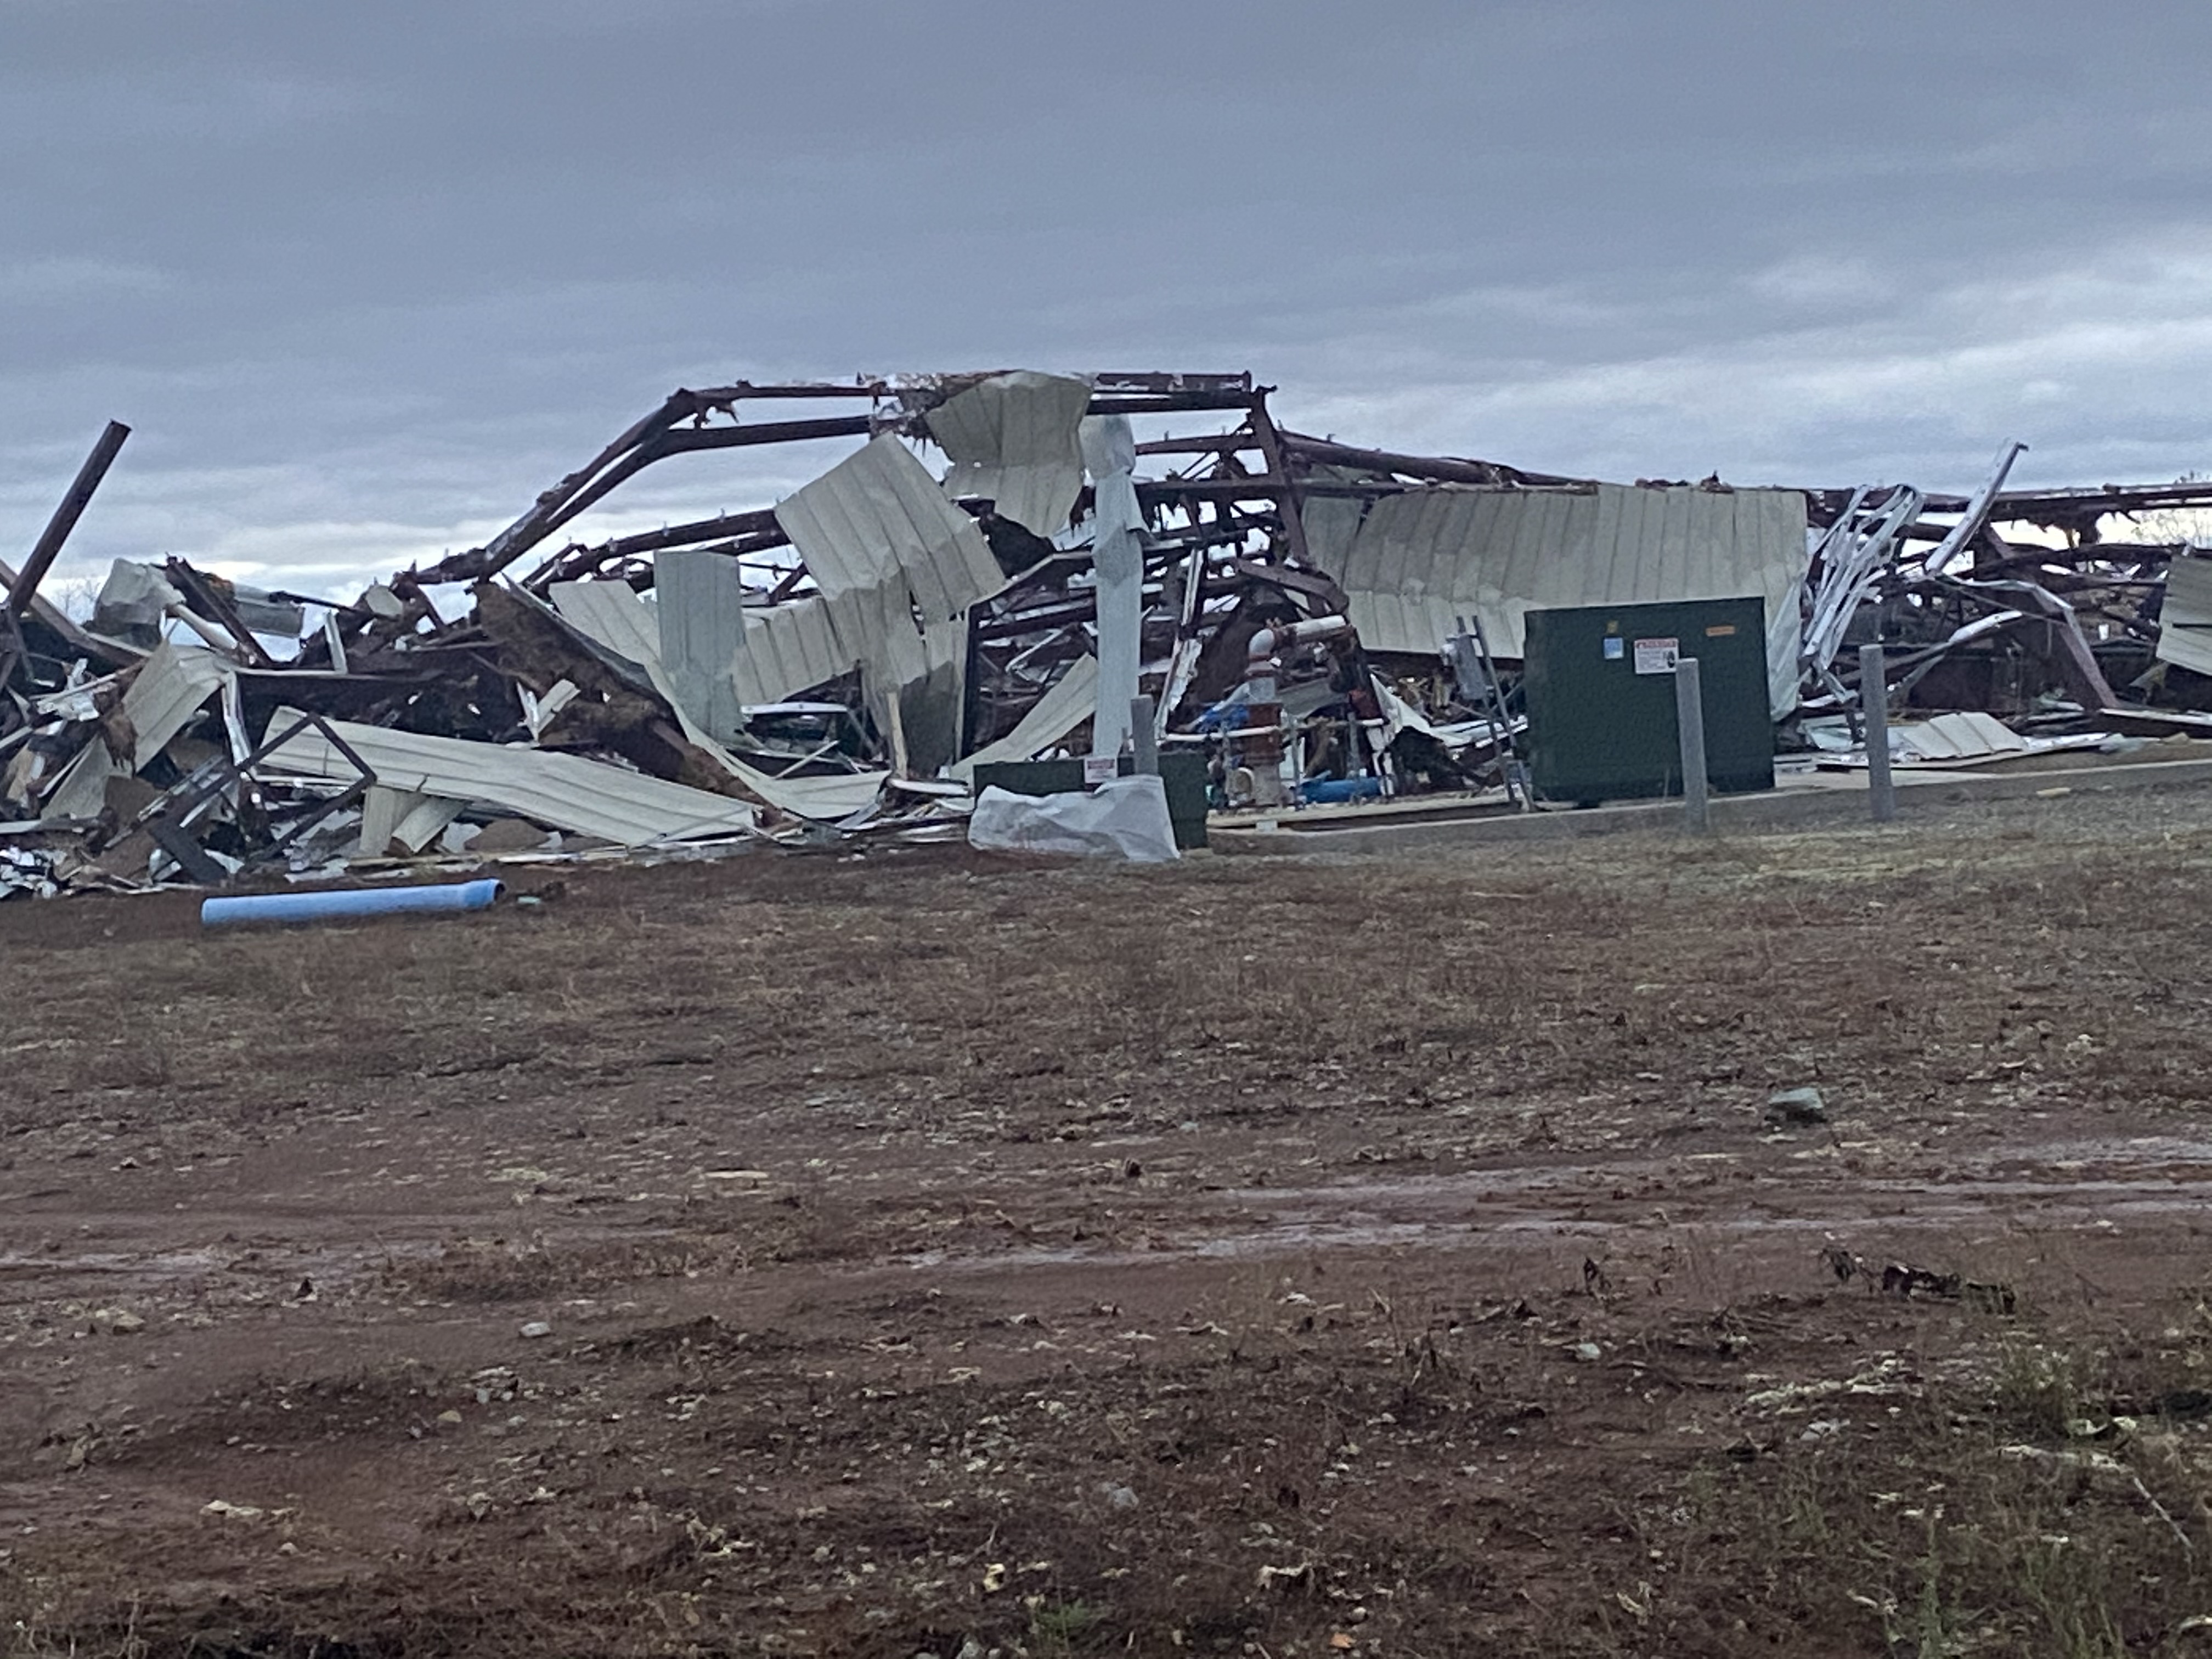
(1336, 789)
(335, 904)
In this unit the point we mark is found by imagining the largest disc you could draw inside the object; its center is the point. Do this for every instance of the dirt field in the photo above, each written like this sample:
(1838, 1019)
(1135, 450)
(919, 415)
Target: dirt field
(906, 1254)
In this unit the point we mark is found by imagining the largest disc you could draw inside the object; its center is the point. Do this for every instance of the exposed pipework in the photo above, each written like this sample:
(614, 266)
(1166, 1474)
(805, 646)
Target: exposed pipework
(1260, 740)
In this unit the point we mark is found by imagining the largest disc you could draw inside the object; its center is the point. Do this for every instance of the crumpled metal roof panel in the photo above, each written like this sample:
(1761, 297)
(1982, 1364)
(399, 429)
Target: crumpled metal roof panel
(1013, 439)
(567, 791)
(878, 515)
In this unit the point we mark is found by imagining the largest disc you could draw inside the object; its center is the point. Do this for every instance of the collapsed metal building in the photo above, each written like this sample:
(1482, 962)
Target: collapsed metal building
(999, 566)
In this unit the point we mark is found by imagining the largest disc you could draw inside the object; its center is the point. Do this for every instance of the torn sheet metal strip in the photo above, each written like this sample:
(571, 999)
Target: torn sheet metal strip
(1862, 544)
(566, 791)
(1976, 515)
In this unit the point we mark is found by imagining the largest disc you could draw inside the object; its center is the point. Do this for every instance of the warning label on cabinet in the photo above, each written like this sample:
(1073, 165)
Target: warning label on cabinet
(1656, 656)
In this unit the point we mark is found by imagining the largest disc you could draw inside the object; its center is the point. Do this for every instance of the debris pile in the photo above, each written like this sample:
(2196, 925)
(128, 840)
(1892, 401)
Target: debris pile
(1002, 568)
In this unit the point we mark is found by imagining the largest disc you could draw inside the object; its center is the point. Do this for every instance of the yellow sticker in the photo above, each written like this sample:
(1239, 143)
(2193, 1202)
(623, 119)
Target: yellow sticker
(1720, 630)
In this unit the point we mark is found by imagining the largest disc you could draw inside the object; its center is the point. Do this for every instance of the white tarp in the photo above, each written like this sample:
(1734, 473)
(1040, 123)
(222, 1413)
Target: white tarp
(1012, 440)
(1124, 818)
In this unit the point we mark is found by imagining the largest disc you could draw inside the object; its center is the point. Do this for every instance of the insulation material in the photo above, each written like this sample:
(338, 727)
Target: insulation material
(1422, 559)
(1012, 440)
(878, 517)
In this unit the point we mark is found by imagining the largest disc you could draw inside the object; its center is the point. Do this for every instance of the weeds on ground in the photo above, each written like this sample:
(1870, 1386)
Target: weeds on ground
(2012, 1509)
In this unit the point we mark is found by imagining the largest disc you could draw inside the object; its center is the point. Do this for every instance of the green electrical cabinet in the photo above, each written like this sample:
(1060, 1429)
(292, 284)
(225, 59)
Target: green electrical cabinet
(1599, 683)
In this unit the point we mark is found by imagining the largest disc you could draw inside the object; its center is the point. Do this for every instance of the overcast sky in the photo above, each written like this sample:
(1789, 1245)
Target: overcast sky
(366, 278)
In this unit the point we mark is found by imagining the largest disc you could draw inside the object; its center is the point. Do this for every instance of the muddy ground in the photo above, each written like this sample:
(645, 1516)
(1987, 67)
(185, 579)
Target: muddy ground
(906, 1254)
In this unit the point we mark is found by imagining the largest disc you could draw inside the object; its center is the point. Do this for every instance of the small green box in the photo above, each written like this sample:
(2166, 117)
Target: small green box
(1600, 683)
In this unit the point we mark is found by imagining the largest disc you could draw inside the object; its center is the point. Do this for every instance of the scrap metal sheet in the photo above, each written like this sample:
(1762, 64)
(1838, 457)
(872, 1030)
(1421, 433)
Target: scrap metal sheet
(699, 598)
(612, 614)
(2185, 625)
(625, 622)
(1012, 440)
(877, 517)
(172, 686)
(629, 809)
(788, 648)
(1422, 559)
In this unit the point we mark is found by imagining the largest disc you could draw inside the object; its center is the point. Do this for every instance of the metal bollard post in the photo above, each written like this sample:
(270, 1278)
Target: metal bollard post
(1874, 705)
(1144, 738)
(1690, 723)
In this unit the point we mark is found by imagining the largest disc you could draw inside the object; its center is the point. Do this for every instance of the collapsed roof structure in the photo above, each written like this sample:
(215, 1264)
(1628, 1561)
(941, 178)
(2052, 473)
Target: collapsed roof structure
(1000, 565)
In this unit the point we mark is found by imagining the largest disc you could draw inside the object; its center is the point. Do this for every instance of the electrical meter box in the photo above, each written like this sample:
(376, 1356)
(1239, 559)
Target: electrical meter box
(1599, 685)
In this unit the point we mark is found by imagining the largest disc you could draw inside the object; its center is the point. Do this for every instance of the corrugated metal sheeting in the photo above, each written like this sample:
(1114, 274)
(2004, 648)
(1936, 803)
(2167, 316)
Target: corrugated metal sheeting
(627, 808)
(877, 516)
(613, 614)
(789, 647)
(172, 685)
(1421, 559)
(786, 647)
(699, 599)
(1013, 441)
(2185, 625)
(623, 621)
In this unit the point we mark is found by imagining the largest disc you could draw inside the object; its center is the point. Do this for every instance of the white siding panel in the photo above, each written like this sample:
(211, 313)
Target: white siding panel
(1013, 439)
(878, 515)
(2188, 600)
(566, 791)
(1422, 558)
